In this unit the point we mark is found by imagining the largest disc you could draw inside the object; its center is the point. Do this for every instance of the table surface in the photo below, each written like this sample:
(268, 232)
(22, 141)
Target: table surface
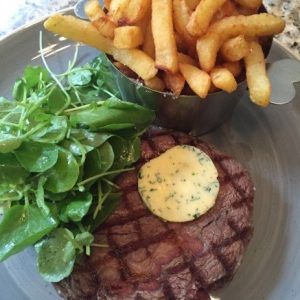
(19, 12)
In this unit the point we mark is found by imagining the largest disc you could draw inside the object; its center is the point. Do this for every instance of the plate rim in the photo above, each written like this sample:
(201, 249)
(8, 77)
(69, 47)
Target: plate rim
(29, 26)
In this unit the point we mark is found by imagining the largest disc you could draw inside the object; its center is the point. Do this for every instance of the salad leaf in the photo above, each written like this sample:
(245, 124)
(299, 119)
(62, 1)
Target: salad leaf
(126, 152)
(113, 112)
(11, 172)
(99, 161)
(19, 90)
(84, 239)
(9, 142)
(34, 74)
(21, 227)
(37, 157)
(93, 139)
(56, 255)
(62, 141)
(80, 77)
(54, 132)
(64, 174)
(40, 199)
(76, 209)
(56, 101)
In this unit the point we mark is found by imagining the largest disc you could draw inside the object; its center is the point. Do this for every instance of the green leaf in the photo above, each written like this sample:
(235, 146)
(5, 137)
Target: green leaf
(54, 132)
(64, 174)
(93, 139)
(107, 156)
(33, 75)
(113, 112)
(56, 255)
(4, 207)
(77, 208)
(103, 74)
(9, 142)
(84, 239)
(21, 227)
(56, 100)
(9, 193)
(55, 196)
(37, 157)
(74, 148)
(6, 106)
(126, 152)
(40, 199)
(80, 77)
(19, 90)
(99, 160)
(11, 172)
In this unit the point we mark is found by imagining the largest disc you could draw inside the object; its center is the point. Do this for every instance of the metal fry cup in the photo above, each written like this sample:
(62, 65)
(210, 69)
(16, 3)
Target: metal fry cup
(187, 113)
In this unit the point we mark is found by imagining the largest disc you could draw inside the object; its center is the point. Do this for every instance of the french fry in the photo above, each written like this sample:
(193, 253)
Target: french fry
(136, 11)
(163, 35)
(181, 16)
(235, 49)
(93, 10)
(223, 79)
(117, 9)
(155, 84)
(228, 9)
(107, 4)
(186, 59)
(254, 4)
(143, 24)
(255, 25)
(198, 80)
(174, 82)
(246, 11)
(180, 44)
(148, 46)
(202, 16)
(83, 31)
(125, 70)
(105, 26)
(138, 61)
(99, 19)
(128, 37)
(234, 67)
(213, 89)
(258, 81)
(79, 31)
(192, 4)
(207, 49)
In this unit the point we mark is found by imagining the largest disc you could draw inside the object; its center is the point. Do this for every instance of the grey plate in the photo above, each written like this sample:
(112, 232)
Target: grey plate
(267, 141)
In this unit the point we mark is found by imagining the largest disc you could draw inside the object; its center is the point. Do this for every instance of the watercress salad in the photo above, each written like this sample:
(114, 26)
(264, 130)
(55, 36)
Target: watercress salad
(63, 139)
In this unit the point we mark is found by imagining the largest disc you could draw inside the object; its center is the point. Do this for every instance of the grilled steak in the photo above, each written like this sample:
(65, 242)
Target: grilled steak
(151, 259)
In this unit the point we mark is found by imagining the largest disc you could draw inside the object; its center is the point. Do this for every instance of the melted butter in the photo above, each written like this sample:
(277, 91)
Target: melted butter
(179, 185)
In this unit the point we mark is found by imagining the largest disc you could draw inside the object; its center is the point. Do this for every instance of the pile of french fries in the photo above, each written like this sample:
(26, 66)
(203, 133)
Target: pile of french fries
(168, 43)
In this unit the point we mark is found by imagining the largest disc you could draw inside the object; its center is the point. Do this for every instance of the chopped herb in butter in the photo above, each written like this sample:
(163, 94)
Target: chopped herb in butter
(180, 185)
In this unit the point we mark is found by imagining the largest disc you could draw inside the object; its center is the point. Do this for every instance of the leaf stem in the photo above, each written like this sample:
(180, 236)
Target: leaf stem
(70, 110)
(100, 245)
(110, 183)
(102, 175)
(100, 203)
(53, 75)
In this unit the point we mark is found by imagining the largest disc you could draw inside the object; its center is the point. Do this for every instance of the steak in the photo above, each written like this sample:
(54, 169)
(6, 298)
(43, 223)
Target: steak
(148, 258)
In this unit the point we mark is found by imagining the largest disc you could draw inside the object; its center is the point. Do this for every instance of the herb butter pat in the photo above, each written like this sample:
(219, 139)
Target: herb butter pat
(180, 185)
